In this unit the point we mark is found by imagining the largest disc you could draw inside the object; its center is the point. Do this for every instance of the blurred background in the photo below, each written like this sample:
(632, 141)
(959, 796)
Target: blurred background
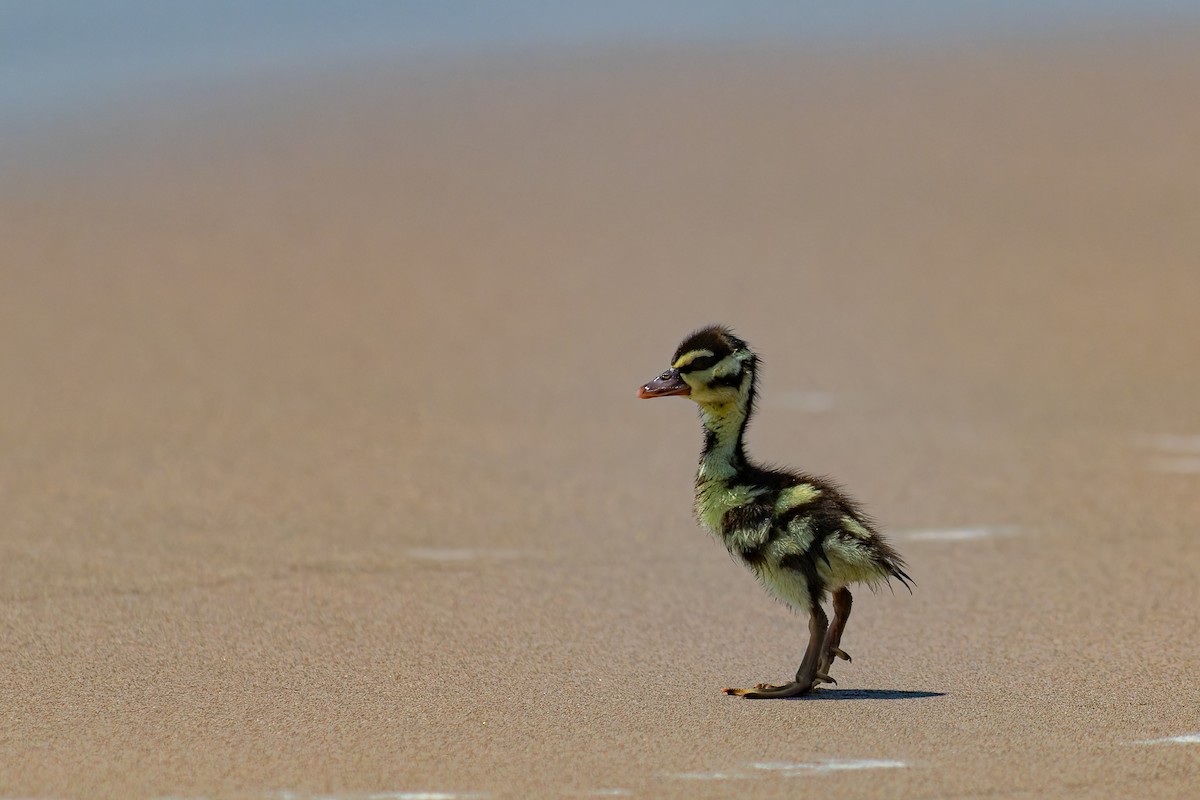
(60, 58)
(321, 323)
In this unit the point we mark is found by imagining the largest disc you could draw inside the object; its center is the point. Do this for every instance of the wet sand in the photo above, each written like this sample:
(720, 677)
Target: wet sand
(324, 475)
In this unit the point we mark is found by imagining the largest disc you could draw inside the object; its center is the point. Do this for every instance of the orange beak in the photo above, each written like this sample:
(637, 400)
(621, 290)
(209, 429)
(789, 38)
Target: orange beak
(665, 385)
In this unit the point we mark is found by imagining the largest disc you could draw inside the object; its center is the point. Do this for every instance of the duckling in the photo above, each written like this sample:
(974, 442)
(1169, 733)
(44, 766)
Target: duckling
(801, 535)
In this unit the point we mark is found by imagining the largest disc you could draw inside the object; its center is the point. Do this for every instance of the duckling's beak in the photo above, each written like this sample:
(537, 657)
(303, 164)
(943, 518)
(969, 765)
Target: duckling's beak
(665, 385)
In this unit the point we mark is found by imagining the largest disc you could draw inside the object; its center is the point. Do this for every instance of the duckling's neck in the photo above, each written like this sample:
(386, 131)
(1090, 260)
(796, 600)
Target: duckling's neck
(724, 428)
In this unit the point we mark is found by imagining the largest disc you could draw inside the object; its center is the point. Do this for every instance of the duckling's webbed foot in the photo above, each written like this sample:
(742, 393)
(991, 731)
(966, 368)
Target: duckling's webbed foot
(809, 676)
(764, 691)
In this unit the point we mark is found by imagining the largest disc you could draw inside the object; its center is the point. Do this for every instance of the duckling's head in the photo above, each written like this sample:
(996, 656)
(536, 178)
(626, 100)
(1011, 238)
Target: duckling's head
(712, 367)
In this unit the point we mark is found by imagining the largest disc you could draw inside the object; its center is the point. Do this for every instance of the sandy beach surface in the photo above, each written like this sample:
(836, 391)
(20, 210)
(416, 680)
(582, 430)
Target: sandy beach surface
(323, 474)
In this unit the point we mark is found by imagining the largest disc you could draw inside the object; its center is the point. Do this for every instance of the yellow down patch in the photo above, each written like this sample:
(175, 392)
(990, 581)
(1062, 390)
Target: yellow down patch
(855, 528)
(689, 357)
(793, 496)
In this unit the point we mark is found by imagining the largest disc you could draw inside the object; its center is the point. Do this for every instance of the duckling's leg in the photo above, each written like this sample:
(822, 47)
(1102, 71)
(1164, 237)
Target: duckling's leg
(808, 677)
(842, 601)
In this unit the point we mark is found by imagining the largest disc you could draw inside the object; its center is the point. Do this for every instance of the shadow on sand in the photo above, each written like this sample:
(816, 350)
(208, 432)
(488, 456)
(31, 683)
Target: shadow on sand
(867, 694)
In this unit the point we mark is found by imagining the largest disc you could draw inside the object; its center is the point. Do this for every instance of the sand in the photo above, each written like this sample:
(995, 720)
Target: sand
(324, 475)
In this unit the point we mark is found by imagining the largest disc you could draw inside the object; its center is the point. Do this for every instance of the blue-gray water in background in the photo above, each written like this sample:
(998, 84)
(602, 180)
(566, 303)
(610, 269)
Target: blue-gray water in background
(69, 56)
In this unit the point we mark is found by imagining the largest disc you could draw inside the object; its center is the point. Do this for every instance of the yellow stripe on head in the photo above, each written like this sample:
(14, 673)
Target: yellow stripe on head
(689, 357)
